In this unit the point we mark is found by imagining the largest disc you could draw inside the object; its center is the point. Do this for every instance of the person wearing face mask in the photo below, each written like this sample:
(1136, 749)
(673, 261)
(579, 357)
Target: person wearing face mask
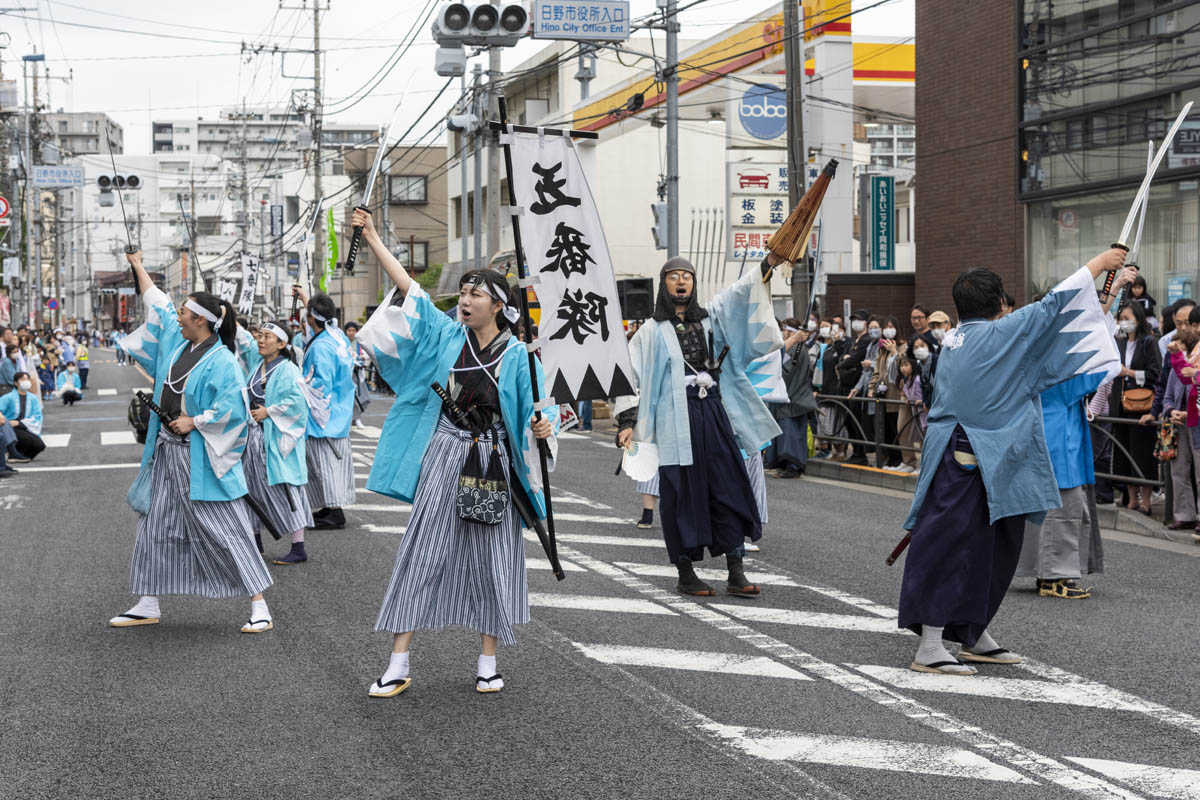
(8, 369)
(67, 385)
(849, 372)
(865, 411)
(885, 385)
(22, 411)
(824, 369)
(1131, 398)
(327, 370)
(790, 448)
(985, 468)
(453, 568)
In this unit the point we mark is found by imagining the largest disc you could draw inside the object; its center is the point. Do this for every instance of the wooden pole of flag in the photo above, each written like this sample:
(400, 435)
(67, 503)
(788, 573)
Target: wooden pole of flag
(549, 544)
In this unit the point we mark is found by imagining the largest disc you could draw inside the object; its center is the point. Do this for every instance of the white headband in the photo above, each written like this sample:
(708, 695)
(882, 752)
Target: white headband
(201, 311)
(510, 313)
(279, 332)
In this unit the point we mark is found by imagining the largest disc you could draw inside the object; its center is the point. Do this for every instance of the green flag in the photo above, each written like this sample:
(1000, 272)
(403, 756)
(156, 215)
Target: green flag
(331, 250)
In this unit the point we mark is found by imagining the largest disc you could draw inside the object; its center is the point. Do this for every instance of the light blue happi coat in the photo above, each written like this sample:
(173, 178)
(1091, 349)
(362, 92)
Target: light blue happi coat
(214, 396)
(741, 317)
(10, 404)
(287, 416)
(67, 379)
(990, 378)
(327, 368)
(415, 344)
(1068, 436)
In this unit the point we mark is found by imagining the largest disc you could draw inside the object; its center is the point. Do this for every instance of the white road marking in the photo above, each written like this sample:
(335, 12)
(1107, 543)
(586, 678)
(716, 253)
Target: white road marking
(384, 528)
(569, 517)
(11, 501)
(563, 496)
(79, 467)
(567, 436)
(1023, 689)
(400, 507)
(697, 661)
(852, 751)
(1177, 784)
(56, 439)
(361, 476)
(708, 574)
(117, 437)
(105, 392)
(616, 541)
(810, 619)
(368, 432)
(541, 563)
(622, 605)
(861, 603)
(1033, 762)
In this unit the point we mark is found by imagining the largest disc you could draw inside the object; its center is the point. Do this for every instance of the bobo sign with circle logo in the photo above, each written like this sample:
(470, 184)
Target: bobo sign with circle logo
(763, 111)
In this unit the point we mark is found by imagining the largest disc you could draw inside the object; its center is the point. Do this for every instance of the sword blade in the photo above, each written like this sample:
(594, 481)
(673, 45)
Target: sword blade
(1144, 189)
(1137, 239)
(382, 149)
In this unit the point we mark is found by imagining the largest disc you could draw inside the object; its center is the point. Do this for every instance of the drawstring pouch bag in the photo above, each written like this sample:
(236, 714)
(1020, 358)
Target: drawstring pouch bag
(482, 490)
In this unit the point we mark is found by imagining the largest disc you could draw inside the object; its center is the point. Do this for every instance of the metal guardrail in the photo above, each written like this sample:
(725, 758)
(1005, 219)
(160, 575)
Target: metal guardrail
(877, 440)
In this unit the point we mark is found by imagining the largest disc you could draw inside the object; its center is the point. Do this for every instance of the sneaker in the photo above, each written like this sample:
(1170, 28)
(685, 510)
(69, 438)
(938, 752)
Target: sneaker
(19, 459)
(751, 547)
(358, 423)
(907, 469)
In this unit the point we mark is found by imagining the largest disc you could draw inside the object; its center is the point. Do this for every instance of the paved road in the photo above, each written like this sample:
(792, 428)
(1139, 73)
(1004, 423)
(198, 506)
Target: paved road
(619, 688)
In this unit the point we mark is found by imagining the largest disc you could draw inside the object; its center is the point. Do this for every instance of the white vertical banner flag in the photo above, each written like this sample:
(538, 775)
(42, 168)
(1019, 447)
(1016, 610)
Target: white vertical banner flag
(582, 340)
(227, 290)
(249, 279)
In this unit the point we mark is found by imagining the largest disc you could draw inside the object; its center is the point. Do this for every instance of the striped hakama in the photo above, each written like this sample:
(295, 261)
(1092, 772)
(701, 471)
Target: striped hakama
(758, 483)
(330, 472)
(649, 487)
(196, 547)
(273, 499)
(450, 571)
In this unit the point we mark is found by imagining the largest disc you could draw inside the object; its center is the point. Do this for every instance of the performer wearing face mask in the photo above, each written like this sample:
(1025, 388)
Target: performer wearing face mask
(702, 412)
(21, 411)
(194, 532)
(329, 384)
(275, 462)
(457, 564)
(985, 468)
(67, 385)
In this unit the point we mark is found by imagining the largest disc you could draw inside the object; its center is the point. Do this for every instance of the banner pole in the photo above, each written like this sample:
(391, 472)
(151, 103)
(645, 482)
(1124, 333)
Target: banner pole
(549, 544)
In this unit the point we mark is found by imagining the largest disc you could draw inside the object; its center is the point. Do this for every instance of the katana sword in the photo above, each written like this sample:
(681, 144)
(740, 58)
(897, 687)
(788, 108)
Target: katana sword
(1144, 190)
(129, 248)
(250, 501)
(1131, 259)
(365, 205)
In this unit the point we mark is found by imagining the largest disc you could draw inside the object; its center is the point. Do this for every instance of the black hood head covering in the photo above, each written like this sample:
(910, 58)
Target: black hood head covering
(664, 305)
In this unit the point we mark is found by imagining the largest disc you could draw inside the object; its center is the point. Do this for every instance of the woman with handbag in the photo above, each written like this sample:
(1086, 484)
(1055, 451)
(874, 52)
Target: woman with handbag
(462, 558)
(1132, 397)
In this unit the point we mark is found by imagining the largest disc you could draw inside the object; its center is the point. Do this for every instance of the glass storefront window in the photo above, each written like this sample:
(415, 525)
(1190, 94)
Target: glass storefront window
(1065, 233)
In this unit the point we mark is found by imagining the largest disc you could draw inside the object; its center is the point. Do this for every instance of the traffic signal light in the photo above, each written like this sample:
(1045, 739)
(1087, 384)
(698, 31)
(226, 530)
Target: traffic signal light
(660, 225)
(480, 24)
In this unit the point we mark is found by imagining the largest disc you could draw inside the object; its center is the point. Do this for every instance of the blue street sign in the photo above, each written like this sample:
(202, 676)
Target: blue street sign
(56, 177)
(581, 20)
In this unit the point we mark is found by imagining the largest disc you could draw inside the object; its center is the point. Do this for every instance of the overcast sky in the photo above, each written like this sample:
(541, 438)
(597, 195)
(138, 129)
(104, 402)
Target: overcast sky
(177, 60)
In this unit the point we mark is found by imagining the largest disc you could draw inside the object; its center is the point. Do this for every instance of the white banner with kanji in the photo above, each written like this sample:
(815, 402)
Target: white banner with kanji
(249, 279)
(581, 334)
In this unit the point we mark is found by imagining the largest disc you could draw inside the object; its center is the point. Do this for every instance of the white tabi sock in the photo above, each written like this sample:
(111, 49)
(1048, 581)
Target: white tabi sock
(984, 644)
(932, 650)
(259, 610)
(397, 668)
(486, 668)
(147, 606)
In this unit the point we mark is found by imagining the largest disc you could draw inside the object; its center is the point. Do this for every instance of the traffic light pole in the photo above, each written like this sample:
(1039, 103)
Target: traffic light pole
(793, 48)
(493, 178)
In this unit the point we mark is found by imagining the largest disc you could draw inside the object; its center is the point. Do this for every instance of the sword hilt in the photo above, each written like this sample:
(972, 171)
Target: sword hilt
(130, 249)
(355, 241)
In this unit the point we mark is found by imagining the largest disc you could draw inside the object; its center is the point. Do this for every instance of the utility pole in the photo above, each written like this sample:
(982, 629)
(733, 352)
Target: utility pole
(477, 137)
(244, 224)
(793, 50)
(671, 74)
(464, 140)
(33, 220)
(493, 180)
(316, 131)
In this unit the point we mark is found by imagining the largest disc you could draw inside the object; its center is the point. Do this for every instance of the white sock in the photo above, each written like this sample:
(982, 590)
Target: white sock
(932, 649)
(984, 644)
(486, 666)
(397, 668)
(147, 606)
(259, 610)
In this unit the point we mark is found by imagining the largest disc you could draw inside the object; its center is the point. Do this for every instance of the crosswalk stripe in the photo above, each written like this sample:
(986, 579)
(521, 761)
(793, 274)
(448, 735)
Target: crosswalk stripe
(117, 437)
(869, 606)
(1177, 784)
(570, 517)
(105, 392)
(563, 496)
(398, 507)
(708, 574)
(579, 602)
(56, 439)
(567, 436)
(384, 528)
(80, 467)
(810, 619)
(1024, 689)
(694, 660)
(541, 564)
(587, 538)
(367, 432)
(853, 751)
